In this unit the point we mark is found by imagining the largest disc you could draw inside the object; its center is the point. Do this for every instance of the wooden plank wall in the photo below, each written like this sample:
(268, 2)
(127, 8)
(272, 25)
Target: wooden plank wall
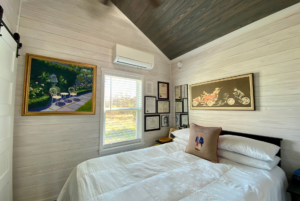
(269, 48)
(11, 13)
(47, 148)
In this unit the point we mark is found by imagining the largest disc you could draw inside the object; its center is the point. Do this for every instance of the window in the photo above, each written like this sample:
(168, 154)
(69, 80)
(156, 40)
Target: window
(122, 104)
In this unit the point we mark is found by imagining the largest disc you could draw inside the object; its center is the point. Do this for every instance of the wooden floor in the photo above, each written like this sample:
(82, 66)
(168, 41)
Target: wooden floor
(269, 48)
(47, 148)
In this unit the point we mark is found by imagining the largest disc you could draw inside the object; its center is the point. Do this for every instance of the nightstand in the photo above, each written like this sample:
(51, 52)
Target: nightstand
(163, 141)
(294, 190)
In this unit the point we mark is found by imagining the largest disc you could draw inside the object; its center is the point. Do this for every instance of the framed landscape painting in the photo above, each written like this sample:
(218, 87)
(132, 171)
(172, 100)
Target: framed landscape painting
(234, 93)
(58, 87)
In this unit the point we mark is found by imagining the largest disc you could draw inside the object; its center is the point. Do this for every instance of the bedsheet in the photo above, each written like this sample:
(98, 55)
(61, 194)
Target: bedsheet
(167, 173)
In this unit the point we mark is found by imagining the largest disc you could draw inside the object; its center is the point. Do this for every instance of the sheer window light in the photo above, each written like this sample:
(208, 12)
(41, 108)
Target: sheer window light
(122, 113)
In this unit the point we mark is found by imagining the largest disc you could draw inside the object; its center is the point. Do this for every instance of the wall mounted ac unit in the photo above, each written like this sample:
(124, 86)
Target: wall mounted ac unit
(131, 57)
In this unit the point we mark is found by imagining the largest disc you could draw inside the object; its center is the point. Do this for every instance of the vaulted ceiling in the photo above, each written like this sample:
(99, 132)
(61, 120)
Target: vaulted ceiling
(179, 26)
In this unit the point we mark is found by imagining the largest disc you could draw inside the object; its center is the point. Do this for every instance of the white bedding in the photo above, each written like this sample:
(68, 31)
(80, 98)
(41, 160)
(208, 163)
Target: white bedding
(167, 173)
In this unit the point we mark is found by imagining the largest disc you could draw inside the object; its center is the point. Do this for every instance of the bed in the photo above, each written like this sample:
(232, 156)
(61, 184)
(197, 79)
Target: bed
(166, 172)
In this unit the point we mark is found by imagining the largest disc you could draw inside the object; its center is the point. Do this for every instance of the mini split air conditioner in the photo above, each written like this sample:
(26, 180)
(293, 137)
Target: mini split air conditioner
(131, 57)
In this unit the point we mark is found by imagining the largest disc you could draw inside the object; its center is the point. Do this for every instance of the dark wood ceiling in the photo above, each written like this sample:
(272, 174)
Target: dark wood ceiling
(179, 26)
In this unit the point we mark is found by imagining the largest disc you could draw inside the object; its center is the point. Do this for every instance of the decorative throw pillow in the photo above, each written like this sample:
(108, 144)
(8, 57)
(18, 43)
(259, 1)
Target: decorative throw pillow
(203, 142)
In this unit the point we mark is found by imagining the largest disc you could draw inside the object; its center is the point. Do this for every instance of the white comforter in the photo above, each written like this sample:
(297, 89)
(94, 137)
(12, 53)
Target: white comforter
(167, 173)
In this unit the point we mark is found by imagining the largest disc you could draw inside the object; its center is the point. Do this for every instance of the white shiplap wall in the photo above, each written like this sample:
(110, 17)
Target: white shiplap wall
(269, 48)
(47, 148)
(11, 13)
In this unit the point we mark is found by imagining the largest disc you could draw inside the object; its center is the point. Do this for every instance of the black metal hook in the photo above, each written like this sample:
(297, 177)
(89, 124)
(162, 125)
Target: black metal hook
(1, 16)
(15, 36)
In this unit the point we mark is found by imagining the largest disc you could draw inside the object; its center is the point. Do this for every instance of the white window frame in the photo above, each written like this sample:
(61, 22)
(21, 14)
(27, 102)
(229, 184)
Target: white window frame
(125, 145)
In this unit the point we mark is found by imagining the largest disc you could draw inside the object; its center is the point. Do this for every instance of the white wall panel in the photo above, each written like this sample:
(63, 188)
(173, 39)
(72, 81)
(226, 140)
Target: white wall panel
(269, 48)
(44, 156)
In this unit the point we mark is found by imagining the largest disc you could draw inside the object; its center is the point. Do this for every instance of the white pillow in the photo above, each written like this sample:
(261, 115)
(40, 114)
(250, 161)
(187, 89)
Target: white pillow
(182, 134)
(249, 147)
(181, 141)
(245, 160)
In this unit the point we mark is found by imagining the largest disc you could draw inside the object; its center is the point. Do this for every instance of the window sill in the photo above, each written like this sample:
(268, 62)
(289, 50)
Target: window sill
(118, 149)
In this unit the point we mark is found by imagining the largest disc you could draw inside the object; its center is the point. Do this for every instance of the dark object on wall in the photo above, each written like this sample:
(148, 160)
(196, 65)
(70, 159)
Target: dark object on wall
(181, 105)
(152, 123)
(177, 120)
(178, 93)
(165, 121)
(150, 104)
(163, 90)
(184, 120)
(15, 36)
(234, 93)
(178, 106)
(163, 107)
(1, 16)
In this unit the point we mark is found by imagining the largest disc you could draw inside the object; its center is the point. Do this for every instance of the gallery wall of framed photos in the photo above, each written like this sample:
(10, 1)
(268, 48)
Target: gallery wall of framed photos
(181, 106)
(157, 109)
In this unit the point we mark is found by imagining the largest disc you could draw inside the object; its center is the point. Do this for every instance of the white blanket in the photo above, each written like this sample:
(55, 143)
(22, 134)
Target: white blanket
(167, 173)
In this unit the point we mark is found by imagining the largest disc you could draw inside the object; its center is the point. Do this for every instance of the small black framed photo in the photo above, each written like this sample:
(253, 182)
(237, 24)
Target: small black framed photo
(150, 104)
(152, 122)
(184, 120)
(178, 106)
(163, 90)
(164, 120)
(163, 107)
(177, 120)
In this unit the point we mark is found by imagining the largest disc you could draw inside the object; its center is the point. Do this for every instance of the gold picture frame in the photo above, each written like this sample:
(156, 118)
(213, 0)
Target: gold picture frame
(233, 93)
(58, 87)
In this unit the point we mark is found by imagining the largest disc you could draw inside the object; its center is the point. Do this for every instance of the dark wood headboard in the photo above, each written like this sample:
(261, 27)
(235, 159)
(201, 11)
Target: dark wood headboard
(272, 140)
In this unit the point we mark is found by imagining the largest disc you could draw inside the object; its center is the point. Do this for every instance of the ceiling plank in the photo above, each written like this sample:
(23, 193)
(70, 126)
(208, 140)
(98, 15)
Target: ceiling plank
(220, 15)
(114, 2)
(123, 4)
(209, 10)
(139, 10)
(147, 14)
(154, 24)
(118, 3)
(131, 7)
(158, 13)
(200, 37)
(179, 26)
(169, 21)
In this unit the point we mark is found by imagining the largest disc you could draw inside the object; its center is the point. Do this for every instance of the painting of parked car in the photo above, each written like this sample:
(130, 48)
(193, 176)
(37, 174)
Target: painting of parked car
(234, 93)
(54, 86)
